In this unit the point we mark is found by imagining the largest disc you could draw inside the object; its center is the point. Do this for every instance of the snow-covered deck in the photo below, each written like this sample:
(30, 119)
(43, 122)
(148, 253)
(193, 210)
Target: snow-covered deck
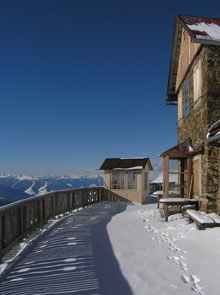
(117, 248)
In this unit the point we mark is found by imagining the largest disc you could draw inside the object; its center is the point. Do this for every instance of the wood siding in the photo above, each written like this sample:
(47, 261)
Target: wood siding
(188, 51)
(139, 195)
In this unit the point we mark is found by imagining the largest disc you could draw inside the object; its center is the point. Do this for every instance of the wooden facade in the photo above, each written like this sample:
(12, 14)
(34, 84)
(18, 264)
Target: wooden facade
(188, 51)
(194, 86)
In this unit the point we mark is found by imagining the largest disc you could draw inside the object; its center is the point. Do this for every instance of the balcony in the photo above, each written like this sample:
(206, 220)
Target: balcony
(19, 219)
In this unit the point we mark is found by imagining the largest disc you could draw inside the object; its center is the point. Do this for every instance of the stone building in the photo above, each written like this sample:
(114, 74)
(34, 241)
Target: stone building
(194, 86)
(128, 178)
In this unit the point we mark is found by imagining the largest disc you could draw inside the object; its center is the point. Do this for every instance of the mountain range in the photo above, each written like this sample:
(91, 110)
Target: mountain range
(17, 187)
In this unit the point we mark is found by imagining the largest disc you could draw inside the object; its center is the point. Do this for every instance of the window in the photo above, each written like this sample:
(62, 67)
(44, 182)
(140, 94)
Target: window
(186, 99)
(197, 81)
(180, 105)
(131, 180)
(117, 180)
(123, 180)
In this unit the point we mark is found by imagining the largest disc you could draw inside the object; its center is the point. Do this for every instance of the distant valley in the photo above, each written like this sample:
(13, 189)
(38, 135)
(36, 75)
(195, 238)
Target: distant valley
(17, 187)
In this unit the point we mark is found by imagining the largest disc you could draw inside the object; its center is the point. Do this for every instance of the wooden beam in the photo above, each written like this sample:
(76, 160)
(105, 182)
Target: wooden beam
(189, 168)
(165, 176)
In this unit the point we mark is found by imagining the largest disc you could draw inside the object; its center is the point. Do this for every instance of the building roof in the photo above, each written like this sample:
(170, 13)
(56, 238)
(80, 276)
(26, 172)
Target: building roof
(203, 30)
(159, 179)
(126, 163)
(183, 149)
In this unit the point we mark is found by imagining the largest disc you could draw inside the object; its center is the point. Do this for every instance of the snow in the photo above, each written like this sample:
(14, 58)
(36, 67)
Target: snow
(16, 183)
(199, 216)
(30, 189)
(79, 176)
(215, 217)
(158, 193)
(24, 177)
(203, 218)
(212, 30)
(43, 189)
(4, 175)
(138, 158)
(118, 248)
(131, 168)
(174, 200)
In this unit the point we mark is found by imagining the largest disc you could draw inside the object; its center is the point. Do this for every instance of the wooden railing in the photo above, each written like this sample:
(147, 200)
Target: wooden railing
(22, 217)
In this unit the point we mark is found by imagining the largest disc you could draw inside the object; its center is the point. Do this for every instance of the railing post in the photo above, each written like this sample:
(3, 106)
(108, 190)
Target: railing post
(89, 197)
(103, 194)
(35, 213)
(1, 239)
(54, 205)
(70, 202)
(21, 220)
(73, 200)
(100, 193)
(41, 213)
(85, 197)
(86, 193)
(24, 218)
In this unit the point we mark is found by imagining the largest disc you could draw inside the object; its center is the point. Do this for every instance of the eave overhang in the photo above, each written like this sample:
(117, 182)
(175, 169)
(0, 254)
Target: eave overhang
(182, 150)
(171, 95)
(204, 37)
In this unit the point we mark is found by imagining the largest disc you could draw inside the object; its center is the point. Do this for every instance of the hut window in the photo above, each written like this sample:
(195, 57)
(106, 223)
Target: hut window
(131, 180)
(197, 81)
(186, 99)
(117, 180)
(180, 105)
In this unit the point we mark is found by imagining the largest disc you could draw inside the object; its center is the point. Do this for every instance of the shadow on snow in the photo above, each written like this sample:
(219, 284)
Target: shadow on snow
(73, 257)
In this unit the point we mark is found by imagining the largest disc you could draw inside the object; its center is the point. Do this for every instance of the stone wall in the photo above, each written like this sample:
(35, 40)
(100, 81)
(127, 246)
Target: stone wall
(204, 112)
(213, 114)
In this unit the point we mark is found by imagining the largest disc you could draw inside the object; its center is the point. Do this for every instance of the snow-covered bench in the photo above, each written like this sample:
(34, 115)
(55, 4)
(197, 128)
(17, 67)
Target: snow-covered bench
(203, 220)
(170, 203)
(159, 195)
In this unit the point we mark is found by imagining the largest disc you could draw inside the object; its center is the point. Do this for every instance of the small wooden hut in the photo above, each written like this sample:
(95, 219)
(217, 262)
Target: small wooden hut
(128, 177)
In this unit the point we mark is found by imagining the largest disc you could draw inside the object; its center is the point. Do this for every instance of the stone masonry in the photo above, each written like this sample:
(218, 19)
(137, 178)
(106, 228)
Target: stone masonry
(203, 113)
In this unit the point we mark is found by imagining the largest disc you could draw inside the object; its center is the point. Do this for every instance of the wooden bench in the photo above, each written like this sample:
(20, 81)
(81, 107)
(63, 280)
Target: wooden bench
(203, 220)
(159, 195)
(169, 203)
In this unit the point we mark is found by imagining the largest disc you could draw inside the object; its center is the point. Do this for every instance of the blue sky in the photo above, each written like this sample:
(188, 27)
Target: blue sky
(82, 80)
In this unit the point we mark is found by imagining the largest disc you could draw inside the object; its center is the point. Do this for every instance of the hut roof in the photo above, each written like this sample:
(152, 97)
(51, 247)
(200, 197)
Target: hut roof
(126, 163)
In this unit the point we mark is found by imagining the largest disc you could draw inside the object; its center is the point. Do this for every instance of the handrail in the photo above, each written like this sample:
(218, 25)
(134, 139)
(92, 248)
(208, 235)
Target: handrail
(20, 218)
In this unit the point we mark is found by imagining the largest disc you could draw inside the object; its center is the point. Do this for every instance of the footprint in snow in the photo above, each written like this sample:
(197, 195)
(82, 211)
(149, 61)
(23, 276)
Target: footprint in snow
(185, 279)
(195, 279)
(197, 290)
